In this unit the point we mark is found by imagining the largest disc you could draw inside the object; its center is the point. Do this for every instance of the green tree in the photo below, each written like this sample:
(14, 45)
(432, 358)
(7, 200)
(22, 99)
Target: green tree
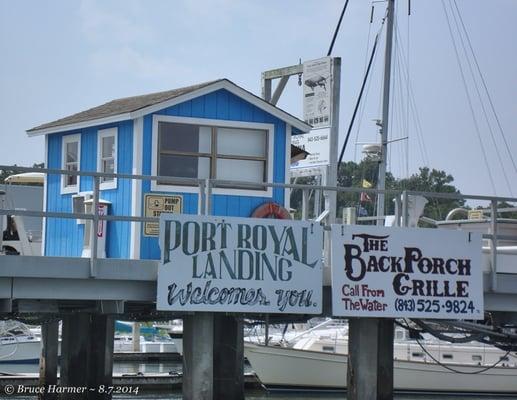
(353, 174)
(432, 180)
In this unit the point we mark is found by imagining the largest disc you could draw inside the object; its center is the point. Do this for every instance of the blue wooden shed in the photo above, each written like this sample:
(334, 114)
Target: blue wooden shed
(214, 130)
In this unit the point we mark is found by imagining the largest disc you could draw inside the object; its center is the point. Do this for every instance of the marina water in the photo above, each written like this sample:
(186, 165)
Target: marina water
(160, 368)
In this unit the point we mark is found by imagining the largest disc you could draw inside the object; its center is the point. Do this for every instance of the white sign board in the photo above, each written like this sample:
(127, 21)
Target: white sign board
(250, 265)
(317, 92)
(404, 272)
(317, 144)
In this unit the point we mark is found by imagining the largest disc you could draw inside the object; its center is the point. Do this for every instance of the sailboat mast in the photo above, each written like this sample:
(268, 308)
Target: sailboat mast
(381, 181)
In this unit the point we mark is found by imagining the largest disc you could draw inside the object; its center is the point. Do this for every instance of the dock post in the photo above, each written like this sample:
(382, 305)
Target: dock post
(198, 356)
(385, 359)
(87, 354)
(102, 331)
(228, 358)
(370, 359)
(75, 353)
(48, 358)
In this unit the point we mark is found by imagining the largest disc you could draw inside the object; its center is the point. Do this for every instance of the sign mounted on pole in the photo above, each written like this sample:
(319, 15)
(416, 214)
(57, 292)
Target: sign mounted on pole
(155, 205)
(317, 144)
(403, 272)
(225, 264)
(317, 92)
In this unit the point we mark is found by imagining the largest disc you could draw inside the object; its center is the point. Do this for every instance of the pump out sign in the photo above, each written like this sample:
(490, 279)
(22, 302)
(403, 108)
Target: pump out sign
(402, 272)
(239, 265)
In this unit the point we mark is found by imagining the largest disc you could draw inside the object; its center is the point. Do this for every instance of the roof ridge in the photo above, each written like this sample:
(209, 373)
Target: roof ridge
(127, 107)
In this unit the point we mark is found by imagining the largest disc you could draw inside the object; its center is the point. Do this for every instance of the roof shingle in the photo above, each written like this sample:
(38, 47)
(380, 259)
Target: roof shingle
(122, 106)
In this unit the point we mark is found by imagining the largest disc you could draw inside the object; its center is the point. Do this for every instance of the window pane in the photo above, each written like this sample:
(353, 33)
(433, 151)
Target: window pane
(71, 151)
(184, 166)
(108, 166)
(108, 146)
(71, 180)
(244, 142)
(184, 137)
(240, 170)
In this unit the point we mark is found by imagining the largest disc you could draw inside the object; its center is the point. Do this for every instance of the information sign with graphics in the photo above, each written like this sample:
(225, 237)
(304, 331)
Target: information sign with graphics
(226, 264)
(403, 272)
(317, 92)
(317, 144)
(155, 205)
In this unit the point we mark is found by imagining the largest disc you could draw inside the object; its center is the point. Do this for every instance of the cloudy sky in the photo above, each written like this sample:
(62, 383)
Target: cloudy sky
(61, 57)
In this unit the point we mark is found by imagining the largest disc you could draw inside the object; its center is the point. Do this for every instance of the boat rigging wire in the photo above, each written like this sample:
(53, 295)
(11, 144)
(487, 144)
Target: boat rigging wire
(483, 108)
(365, 79)
(405, 325)
(407, 85)
(489, 367)
(337, 28)
(414, 109)
(363, 104)
(496, 116)
(476, 126)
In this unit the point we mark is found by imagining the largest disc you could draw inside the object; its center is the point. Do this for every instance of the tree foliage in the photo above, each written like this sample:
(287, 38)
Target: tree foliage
(353, 174)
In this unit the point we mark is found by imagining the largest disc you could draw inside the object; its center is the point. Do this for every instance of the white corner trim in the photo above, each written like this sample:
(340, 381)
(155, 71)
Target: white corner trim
(156, 187)
(64, 140)
(136, 188)
(287, 191)
(224, 84)
(45, 183)
(102, 133)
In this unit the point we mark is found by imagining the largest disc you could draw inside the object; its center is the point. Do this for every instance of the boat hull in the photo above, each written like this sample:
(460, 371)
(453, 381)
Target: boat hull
(20, 352)
(278, 367)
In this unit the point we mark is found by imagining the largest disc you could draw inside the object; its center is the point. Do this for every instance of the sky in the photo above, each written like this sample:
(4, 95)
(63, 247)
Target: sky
(61, 57)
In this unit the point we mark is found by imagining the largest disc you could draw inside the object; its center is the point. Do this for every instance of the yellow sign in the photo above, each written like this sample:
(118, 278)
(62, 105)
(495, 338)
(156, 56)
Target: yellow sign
(475, 214)
(157, 204)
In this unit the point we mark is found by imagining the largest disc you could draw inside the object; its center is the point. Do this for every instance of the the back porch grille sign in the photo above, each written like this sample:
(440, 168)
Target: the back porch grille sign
(402, 272)
(232, 264)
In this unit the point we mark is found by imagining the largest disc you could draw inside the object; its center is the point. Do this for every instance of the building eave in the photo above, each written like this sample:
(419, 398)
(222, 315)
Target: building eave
(223, 84)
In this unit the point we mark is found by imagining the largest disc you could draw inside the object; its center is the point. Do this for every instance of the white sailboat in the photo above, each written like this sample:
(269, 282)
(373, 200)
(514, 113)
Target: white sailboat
(321, 362)
(280, 367)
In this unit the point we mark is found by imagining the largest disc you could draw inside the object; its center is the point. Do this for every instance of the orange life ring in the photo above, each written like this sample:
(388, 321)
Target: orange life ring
(271, 210)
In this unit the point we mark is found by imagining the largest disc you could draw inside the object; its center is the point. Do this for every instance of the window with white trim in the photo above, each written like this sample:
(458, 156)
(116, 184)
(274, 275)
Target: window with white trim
(216, 152)
(107, 157)
(71, 152)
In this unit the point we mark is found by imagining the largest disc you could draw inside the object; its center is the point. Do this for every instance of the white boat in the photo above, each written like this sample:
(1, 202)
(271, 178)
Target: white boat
(17, 344)
(124, 343)
(280, 367)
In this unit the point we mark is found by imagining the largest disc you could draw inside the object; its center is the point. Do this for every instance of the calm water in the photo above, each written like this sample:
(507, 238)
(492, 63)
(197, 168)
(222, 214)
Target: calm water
(150, 368)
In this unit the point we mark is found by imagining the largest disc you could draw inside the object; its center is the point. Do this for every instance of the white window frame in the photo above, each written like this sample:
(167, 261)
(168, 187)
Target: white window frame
(65, 140)
(270, 128)
(101, 134)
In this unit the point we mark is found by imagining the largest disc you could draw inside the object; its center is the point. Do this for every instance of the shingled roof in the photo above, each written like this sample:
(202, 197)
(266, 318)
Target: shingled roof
(128, 105)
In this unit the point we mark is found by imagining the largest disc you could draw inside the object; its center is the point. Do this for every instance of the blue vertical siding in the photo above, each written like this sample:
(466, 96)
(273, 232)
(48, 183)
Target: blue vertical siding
(64, 237)
(221, 105)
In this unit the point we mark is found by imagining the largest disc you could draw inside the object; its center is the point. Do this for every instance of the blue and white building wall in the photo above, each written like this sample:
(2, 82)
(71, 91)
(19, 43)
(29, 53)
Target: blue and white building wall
(233, 124)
